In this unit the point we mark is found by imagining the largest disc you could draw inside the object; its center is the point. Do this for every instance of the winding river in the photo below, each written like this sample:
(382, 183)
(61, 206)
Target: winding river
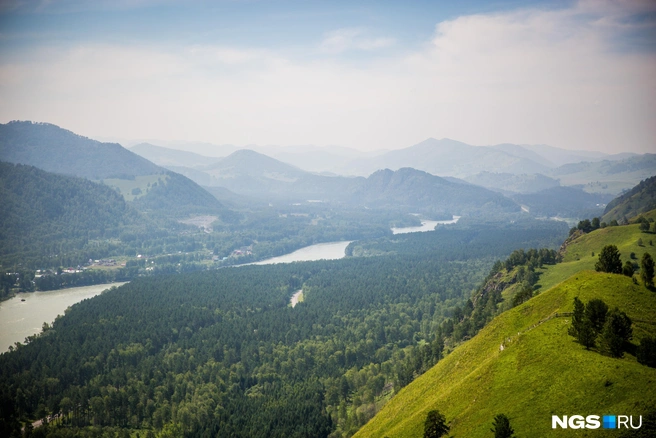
(20, 319)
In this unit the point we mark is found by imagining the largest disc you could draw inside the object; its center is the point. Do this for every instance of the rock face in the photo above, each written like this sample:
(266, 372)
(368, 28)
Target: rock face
(563, 248)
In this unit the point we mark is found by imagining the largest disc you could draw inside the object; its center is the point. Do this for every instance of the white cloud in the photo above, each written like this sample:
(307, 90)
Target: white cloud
(528, 76)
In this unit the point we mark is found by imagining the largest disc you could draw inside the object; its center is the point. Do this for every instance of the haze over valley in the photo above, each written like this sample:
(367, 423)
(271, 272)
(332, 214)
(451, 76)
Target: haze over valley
(327, 219)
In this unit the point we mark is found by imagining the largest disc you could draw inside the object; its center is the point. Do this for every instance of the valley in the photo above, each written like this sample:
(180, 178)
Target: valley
(251, 290)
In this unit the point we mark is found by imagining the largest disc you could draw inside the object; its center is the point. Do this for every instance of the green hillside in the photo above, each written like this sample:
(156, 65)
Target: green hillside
(579, 253)
(541, 370)
(638, 200)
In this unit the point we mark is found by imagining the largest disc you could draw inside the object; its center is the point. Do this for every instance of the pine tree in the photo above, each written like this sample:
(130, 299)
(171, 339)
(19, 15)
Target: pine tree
(617, 330)
(595, 312)
(578, 316)
(587, 334)
(628, 269)
(646, 353)
(647, 270)
(435, 425)
(501, 427)
(609, 260)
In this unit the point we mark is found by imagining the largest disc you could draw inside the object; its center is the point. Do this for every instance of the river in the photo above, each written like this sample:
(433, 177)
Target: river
(425, 226)
(320, 251)
(20, 319)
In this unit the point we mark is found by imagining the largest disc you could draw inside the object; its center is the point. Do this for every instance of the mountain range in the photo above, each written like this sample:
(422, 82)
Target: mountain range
(151, 187)
(508, 168)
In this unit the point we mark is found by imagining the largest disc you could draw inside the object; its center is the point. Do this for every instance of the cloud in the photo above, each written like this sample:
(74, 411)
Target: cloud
(527, 76)
(342, 40)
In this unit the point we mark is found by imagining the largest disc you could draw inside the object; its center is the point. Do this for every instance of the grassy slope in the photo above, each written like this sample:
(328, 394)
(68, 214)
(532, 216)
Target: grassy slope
(126, 185)
(541, 371)
(579, 254)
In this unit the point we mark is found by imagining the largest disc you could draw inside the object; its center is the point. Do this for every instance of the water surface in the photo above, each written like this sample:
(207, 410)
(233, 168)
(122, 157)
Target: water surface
(20, 319)
(425, 226)
(320, 251)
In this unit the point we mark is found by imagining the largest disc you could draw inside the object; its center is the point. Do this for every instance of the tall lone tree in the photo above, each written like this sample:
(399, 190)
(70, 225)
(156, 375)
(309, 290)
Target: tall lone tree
(435, 425)
(647, 270)
(501, 427)
(609, 260)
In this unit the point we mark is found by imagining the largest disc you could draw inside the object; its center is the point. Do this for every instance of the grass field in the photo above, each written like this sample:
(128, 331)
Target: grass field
(143, 183)
(579, 255)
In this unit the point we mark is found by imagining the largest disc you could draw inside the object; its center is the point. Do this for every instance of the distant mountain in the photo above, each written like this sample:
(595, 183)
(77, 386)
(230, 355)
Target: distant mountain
(448, 158)
(414, 189)
(510, 183)
(166, 157)
(331, 159)
(151, 187)
(566, 202)
(607, 176)
(256, 175)
(559, 156)
(640, 199)
(523, 152)
(247, 171)
(44, 214)
(54, 149)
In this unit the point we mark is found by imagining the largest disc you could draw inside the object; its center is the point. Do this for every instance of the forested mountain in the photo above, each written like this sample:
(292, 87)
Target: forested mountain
(179, 196)
(567, 202)
(509, 183)
(54, 149)
(640, 199)
(414, 189)
(45, 214)
(57, 150)
(253, 174)
(222, 353)
(249, 171)
(166, 157)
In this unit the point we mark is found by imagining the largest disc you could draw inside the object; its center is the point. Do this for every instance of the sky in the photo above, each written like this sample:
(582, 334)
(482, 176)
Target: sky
(362, 74)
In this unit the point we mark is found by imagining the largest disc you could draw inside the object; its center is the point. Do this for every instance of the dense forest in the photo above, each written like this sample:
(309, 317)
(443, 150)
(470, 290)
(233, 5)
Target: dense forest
(45, 214)
(223, 352)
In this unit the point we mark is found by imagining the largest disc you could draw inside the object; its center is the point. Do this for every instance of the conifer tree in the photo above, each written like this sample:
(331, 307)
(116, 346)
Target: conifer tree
(596, 311)
(647, 270)
(435, 425)
(609, 260)
(577, 318)
(628, 269)
(501, 427)
(617, 330)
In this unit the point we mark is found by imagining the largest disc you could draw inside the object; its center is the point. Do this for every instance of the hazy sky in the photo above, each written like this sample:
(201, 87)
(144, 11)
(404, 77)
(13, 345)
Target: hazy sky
(362, 74)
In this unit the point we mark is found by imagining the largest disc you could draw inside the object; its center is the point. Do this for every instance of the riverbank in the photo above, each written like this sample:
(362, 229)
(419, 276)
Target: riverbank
(24, 314)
